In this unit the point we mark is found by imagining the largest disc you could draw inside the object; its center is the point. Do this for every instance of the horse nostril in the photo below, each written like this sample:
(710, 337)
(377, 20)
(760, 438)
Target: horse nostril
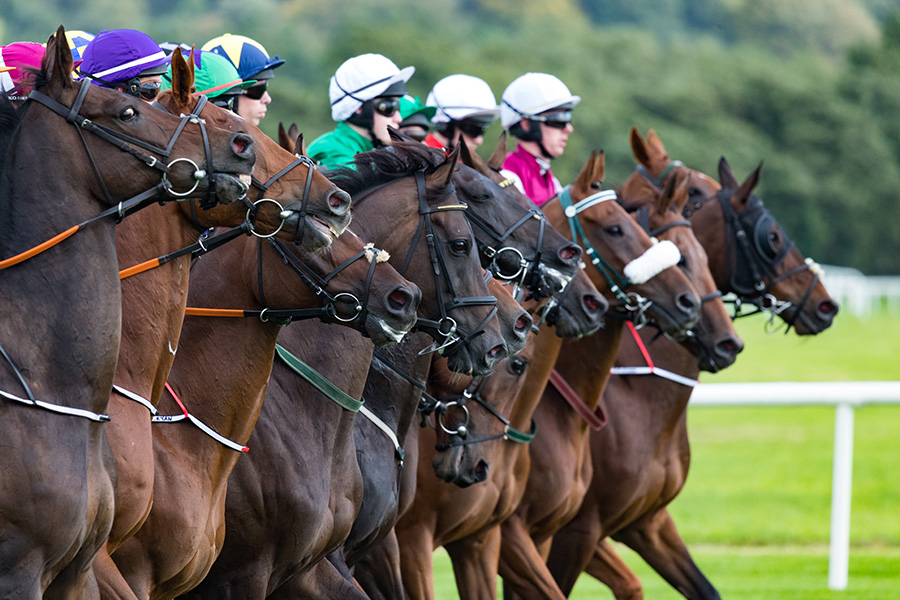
(241, 143)
(524, 322)
(595, 304)
(570, 252)
(481, 470)
(687, 302)
(827, 309)
(399, 298)
(729, 347)
(339, 200)
(497, 351)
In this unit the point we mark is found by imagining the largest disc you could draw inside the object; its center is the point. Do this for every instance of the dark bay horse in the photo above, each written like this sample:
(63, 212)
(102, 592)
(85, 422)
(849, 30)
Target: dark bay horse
(641, 459)
(153, 301)
(109, 151)
(560, 468)
(307, 511)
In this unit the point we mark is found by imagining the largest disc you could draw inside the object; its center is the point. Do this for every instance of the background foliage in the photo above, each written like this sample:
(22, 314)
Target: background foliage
(810, 86)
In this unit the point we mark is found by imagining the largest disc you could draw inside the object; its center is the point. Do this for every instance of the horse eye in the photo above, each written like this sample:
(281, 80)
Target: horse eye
(682, 263)
(693, 192)
(615, 230)
(460, 246)
(773, 237)
(128, 113)
(517, 366)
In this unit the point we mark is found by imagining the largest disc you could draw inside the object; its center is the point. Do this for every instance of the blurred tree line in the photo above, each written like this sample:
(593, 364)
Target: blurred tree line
(809, 86)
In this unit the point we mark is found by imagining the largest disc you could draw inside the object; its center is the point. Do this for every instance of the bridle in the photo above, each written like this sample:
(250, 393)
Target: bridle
(460, 436)
(444, 328)
(754, 260)
(529, 270)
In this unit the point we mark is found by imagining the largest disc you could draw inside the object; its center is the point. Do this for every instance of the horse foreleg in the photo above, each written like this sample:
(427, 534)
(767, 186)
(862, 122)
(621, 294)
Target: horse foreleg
(417, 562)
(608, 567)
(656, 539)
(474, 560)
(378, 572)
(110, 581)
(572, 549)
(522, 567)
(323, 580)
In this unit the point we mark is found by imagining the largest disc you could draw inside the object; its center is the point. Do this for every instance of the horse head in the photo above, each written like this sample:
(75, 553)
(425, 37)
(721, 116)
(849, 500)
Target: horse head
(772, 275)
(179, 156)
(287, 195)
(513, 237)
(479, 407)
(714, 341)
(410, 202)
(626, 261)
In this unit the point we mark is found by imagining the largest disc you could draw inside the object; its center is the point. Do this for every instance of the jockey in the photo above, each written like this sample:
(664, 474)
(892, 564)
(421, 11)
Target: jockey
(416, 117)
(365, 94)
(536, 108)
(466, 107)
(252, 63)
(214, 77)
(126, 60)
(15, 60)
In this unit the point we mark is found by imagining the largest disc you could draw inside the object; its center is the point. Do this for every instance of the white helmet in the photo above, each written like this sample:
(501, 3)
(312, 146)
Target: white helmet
(363, 78)
(532, 94)
(459, 97)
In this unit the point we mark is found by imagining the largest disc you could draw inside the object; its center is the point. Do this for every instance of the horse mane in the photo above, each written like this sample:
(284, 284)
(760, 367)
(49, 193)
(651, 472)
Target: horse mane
(384, 165)
(9, 124)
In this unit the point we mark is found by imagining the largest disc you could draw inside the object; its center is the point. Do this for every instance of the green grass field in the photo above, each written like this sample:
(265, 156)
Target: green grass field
(756, 507)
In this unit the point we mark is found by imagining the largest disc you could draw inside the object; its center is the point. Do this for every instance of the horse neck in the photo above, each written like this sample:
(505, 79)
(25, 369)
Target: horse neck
(710, 229)
(669, 399)
(584, 363)
(547, 347)
(223, 364)
(153, 302)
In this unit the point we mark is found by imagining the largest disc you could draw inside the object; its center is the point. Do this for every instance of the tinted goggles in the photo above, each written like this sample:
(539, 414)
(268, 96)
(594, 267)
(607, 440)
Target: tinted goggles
(226, 102)
(472, 129)
(557, 120)
(149, 90)
(256, 92)
(386, 107)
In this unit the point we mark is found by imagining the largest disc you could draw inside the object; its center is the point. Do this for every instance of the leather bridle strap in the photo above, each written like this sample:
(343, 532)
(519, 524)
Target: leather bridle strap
(596, 418)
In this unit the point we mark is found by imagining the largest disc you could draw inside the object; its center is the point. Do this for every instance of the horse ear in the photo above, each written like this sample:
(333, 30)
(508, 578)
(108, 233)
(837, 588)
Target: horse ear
(743, 193)
(499, 154)
(182, 79)
(445, 171)
(283, 140)
(588, 173)
(294, 131)
(679, 194)
(638, 147)
(57, 60)
(299, 147)
(726, 175)
(399, 136)
(470, 158)
(664, 200)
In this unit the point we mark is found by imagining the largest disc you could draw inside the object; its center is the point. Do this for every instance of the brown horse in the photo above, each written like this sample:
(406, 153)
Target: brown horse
(560, 468)
(153, 301)
(641, 459)
(56, 497)
(294, 519)
(768, 270)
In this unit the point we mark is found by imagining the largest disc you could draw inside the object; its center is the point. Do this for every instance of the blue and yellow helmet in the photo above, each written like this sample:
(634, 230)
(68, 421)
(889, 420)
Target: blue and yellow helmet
(248, 56)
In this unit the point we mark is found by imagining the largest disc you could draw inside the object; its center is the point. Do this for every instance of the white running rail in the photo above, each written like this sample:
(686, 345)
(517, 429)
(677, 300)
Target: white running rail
(844, 396)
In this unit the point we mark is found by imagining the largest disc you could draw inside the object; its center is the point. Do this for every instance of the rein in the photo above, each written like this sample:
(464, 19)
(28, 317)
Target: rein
(443, 325)
(596, 418)
(650, 368)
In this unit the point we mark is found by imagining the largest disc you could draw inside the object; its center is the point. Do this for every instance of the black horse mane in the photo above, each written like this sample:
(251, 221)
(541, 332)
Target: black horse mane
(384, 165)
(9, 123)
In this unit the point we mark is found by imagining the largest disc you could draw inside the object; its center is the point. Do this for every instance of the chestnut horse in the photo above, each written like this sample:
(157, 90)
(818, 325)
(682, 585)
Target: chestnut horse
(110, 154)
(560, 467)
(295, 519)
(640, 463)
(153, 301)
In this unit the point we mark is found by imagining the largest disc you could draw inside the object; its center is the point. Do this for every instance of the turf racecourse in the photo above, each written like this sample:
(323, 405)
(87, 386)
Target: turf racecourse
(756, 508)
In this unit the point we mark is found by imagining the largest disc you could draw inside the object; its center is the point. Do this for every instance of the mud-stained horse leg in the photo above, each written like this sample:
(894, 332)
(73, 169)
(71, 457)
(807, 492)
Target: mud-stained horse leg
(417, 562)
(573, 547)
(110, 581)
(522, 567)
(474, 561)
(656, 539)
(378, 573)
(609, 568)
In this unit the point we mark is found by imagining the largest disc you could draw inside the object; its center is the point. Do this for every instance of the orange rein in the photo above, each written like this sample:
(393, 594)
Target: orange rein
(14, 260)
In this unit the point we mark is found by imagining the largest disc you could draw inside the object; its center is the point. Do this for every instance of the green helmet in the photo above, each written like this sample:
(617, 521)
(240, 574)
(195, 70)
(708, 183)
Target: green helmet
(214, 76)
